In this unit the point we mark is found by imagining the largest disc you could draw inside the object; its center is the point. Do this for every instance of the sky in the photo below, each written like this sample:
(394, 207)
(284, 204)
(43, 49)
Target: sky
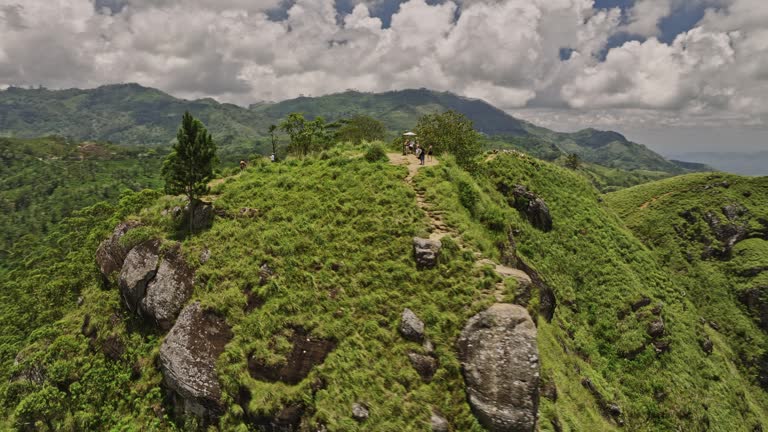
(677, 75)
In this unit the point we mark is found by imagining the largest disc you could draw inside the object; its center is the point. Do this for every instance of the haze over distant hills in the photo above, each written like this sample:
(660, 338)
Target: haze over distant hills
(746, 163)
(133, 114)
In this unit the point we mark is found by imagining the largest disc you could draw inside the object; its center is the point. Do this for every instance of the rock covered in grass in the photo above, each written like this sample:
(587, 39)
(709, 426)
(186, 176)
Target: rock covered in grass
(756, 301)
(425, 366)
(188, 358)
(307, 352)
(411, 327)
(138, 270)
(426, 252)
(532, 206)
(500, 362)
(110, 255)
(656, 328)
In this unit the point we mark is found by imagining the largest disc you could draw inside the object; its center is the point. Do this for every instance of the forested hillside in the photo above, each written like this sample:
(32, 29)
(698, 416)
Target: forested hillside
(318, 256)
(44, 180)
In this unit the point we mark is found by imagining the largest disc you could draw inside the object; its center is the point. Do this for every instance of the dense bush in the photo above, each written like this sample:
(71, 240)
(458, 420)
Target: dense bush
(375, 153)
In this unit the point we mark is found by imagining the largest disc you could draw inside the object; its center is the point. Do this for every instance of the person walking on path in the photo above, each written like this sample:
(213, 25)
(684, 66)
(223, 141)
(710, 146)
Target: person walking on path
(429, 153)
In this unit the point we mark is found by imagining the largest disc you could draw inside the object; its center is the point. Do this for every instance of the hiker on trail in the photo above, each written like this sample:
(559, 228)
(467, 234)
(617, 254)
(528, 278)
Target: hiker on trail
(405, 147)
(420, 153)
(429, 153)
(272, 157)
(410, 146)
(243, 164)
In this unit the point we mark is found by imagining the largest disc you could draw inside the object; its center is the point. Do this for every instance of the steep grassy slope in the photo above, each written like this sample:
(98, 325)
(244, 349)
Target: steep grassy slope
(336, 230)
(44, 180)
(711, 233)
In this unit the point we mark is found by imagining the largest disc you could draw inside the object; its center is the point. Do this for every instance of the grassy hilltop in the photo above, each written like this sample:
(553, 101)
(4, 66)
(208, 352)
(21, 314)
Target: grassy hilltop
(336, 231)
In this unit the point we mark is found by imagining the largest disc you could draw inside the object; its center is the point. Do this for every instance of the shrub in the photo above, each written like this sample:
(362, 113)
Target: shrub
(468, 196)
(492, 216)
(375, 153)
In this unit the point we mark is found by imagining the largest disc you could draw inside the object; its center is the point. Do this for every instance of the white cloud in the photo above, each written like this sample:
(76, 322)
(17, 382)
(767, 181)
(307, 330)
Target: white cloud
(507, 52)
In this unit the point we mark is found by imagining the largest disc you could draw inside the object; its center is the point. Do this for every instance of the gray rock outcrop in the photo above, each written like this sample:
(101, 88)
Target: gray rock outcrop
(170, 289)
(411, 327)
(138, 269)
(110, 255)
(439, 423)
(426, 252)
(156, 284)
(529, 204)
(187, 361)
(500, 362)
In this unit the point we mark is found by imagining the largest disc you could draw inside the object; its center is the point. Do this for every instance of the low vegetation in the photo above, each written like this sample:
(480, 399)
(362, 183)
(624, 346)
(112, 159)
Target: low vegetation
(335, 230)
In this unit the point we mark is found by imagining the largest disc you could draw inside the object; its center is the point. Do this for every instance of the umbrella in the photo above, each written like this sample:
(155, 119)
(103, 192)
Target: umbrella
(409, 134)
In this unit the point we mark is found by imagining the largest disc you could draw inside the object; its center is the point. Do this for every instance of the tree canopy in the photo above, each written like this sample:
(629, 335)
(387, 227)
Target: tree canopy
(306, 135)
(360, 128)
(450, 132)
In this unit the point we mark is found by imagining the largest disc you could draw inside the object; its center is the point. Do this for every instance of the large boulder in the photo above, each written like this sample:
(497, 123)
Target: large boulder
(138, 269)
(170, 289)
(500, 362)
(187, 361)
(110, 255)
(156, 284)
(426, 252)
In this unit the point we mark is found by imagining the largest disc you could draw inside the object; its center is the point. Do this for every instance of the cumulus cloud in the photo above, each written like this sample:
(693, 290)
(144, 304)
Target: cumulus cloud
(507, 52)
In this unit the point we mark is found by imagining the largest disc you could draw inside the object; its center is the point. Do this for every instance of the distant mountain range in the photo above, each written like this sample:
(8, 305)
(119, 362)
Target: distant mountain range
(132, 114)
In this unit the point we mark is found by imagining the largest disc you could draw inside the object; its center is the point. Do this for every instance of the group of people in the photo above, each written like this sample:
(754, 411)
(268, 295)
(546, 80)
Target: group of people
(412, 147)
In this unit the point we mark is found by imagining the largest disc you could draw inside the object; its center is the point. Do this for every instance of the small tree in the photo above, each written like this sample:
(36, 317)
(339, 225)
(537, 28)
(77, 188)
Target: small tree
(573, 161)
(189, 167)
(360, 128)
(304, 134)
(450, 132)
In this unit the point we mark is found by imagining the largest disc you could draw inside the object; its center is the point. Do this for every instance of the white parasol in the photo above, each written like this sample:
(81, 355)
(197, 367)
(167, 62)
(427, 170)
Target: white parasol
(409, 134)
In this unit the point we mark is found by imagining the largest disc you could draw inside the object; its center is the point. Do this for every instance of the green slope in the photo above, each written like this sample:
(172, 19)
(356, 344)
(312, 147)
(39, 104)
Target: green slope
(710, 231)
(337, 231)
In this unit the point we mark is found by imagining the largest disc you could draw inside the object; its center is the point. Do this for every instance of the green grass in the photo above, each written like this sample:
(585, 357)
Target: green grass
(337, 231)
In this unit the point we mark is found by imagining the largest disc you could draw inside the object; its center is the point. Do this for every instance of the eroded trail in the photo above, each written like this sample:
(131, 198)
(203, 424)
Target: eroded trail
(439, 228)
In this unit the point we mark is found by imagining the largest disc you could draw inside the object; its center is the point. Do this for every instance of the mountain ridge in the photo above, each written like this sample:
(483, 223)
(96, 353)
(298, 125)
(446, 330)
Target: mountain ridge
(134, 114)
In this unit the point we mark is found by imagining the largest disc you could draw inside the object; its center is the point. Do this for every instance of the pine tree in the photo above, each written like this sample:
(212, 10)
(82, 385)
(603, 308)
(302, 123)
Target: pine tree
(189, 167)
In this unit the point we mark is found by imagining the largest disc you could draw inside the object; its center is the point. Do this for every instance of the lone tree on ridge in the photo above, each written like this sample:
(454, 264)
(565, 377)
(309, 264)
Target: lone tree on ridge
(189, 167)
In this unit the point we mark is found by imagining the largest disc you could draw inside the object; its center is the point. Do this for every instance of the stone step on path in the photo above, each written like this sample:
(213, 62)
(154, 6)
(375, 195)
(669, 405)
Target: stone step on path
(505, 273)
